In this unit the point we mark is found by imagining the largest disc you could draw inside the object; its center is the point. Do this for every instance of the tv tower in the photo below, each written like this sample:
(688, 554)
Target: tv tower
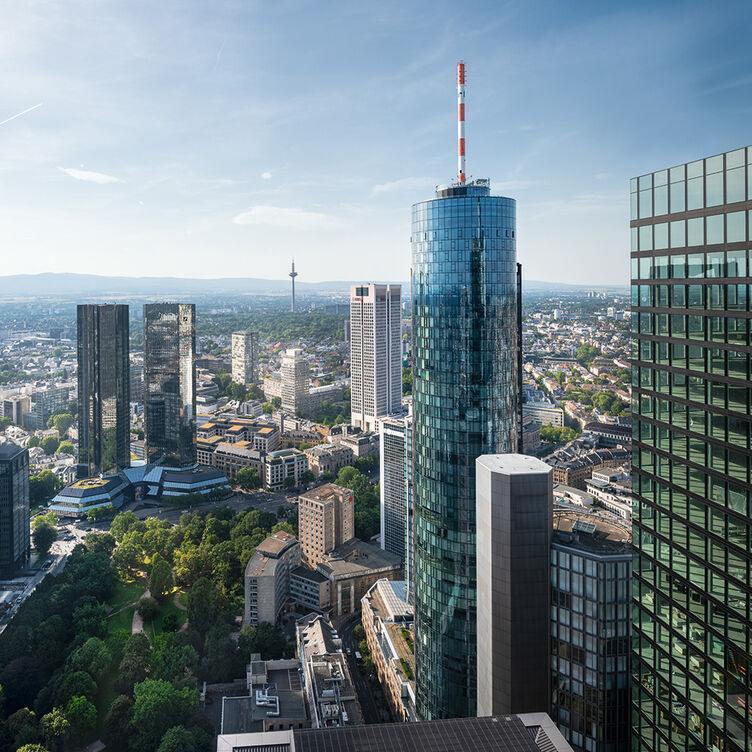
(292, 276)
(461, 122)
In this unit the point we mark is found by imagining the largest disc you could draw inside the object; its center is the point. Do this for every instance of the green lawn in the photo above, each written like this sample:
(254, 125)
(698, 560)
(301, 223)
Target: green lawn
(127, 592)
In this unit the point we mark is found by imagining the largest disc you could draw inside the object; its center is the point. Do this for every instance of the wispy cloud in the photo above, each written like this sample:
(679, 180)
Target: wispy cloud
(266, 175)
(402, 184)
(18, 114)
(278, 216)
(89, 176)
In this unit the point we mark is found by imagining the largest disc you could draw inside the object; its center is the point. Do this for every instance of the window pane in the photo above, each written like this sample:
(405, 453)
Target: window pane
(735, 227)
(694, 194)
(661, 236)
(678, 267)
(714, 164)
(646, 203)
(735, 158)
(695, 234)
(633, 238)
(694, 169)
(633, 206)
(735, 185)
(646, 238)
(714, 229)
(696, 265)
(678, 234)
(661, 200)
(736, 262)
(715, 265)
(660, 178)
(677, 197)
(714, 189)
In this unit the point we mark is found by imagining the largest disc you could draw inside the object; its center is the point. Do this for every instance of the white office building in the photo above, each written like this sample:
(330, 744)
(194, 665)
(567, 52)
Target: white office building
(245, 357)
(375, 353)
(295, 381)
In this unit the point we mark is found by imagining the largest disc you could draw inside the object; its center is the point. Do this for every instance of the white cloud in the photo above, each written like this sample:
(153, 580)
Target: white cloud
(401, 185)
(89, 176)
(266, 175)
(278, 216)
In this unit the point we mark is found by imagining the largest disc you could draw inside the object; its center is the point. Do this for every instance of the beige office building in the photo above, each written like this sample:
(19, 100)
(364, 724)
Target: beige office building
(326, 519)
(245, 357)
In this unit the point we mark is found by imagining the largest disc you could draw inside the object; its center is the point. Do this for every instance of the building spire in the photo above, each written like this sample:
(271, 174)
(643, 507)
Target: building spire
(461, 122)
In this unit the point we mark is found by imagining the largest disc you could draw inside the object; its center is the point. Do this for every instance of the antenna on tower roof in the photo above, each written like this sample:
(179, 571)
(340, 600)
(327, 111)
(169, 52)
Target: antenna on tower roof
(461, 122)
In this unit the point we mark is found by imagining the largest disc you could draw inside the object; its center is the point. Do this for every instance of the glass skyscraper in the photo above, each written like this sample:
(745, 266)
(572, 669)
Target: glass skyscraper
(103, 389)
(692, 637)
(465, 394)
(170, 382)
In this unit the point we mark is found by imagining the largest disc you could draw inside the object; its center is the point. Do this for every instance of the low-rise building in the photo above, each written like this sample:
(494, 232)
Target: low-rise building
(230, 458)
(327, 683)
(364, 444)
(310, 589)
(573, 468)
(261, 434)
(84, 495)
(328, 458)
(284, 464)
(609, 434)
(183, 482)
(267, 578)
(388, 623)
(614, 497)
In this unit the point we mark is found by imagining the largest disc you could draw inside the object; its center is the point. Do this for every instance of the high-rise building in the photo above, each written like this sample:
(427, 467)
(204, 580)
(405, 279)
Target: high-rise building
(245, 357)
(295, 381)
(170, 382)
(395, 436)
(44, 404)
(16, 407)
(514, 495)
(375, 353)
(591, 592)
(103, 389)
(137, 382)
(326, 519)
(692, 627)
(15, 545)
(465, 404)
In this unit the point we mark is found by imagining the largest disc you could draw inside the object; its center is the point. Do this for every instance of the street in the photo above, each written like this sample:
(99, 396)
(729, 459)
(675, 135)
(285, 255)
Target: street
(368, 691)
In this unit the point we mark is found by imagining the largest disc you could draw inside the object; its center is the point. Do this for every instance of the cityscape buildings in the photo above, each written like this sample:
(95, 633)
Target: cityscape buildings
(44, 404)
(15, 544)
(465, 404)
(325, 520)
(295, 380)
(375, 353)
(170, 382)
(692, 630)
(514, 495)
(591, 586)
(245, 357)
(103, 389)
(16, 408)
(396, 507)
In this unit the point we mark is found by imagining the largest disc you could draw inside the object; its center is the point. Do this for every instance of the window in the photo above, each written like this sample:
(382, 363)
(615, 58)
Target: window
(678, 234)
(695, 233)
(735, 227)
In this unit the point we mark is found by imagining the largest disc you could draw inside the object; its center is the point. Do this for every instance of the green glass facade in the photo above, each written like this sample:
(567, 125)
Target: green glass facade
(691, 286)
(465, 395)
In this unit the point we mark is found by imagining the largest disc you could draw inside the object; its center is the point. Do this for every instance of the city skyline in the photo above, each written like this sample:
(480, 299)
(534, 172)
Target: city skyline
(162, 163)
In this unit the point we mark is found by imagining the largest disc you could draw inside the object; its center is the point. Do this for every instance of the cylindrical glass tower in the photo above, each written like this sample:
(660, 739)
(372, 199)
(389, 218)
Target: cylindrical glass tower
(465, 396)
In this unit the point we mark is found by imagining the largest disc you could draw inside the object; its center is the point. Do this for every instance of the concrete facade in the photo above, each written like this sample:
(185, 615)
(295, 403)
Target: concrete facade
(514, 507)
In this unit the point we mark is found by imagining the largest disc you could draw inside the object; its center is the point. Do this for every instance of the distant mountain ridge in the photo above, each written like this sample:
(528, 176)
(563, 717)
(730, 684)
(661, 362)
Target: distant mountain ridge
(50, 283)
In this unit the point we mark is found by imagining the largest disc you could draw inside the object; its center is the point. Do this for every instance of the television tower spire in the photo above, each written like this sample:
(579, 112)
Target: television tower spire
(292, 276)
(461, 122)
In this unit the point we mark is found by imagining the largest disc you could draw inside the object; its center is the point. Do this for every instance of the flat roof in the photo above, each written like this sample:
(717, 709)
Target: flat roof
(325, 492)
(513, 464)
(356, 558)
(609, 535)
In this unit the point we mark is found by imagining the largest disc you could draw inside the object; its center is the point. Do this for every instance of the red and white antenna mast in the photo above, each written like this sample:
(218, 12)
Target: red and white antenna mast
(461, 122)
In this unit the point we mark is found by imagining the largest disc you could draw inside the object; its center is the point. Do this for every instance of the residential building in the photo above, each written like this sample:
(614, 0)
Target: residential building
(361, 444)
(230, 458)
(103, 389)
(328, 458)
(170, 383)
(531, 732)
(16, 408)
(591, 575)
(573, 468)
(692, 629)
(395, 435)
(514, 495)
(465, 404)
(326, 520)
(295, 381)
(387, 619)
(375, 353)
(15, 545)
(267, 578)
(263, 435)
(609, 434)
(245, 357)
(284, 464)
(44, 404)
(328, 686)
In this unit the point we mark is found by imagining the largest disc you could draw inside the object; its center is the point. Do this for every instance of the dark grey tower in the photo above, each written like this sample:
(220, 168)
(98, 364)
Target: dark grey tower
(14, 508)
(103, 389)
(170, 382)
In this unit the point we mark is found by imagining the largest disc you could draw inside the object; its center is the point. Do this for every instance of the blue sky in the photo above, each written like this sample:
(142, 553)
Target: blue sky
(221, 138)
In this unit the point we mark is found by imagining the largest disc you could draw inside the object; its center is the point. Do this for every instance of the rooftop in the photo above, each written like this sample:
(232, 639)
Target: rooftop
(513, 464)
(326, 492)
(594, 532)
(356, 558)
(275, 544)
(8, 451)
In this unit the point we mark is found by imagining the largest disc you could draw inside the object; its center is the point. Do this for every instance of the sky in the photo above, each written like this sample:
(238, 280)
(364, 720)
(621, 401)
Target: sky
(222, 138)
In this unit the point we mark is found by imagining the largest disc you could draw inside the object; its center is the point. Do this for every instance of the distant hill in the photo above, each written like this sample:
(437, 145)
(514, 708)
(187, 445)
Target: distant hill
(50, 284)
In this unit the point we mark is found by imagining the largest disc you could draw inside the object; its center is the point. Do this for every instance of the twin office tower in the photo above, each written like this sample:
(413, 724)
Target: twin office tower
(104, 386)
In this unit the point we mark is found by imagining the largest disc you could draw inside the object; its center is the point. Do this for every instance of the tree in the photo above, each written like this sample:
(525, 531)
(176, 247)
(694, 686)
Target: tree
(93, 657)
(33, 441)
(203, 604)
(43, 535)
(62, 422)
(359, 633)
(24, 727)
(50, 444)
(159, 706)
(65, 448)
(407, 380)
(74, 683)
(82, 716)
(117, 724)
(277, 402)
(89, 618)
(289, 481)
(43, 486)
(128, 556)
(177, 739)
(160, 579)
(122, 523)
(100, 513)
(32, 748)
(148, 608)
(99, 542)
(248, 479)
(307, 477)
(56, 730)
(267, 407)
(265, 639)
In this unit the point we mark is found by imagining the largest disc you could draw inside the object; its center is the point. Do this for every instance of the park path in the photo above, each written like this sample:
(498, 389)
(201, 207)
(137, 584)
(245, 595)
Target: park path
(176, 601)
(138, 623)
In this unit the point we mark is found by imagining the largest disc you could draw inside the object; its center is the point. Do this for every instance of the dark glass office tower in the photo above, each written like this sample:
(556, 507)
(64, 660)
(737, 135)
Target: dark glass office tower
(103, 389)
(170, 382)
(465, 392)
(15, 545)
(691, 403)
